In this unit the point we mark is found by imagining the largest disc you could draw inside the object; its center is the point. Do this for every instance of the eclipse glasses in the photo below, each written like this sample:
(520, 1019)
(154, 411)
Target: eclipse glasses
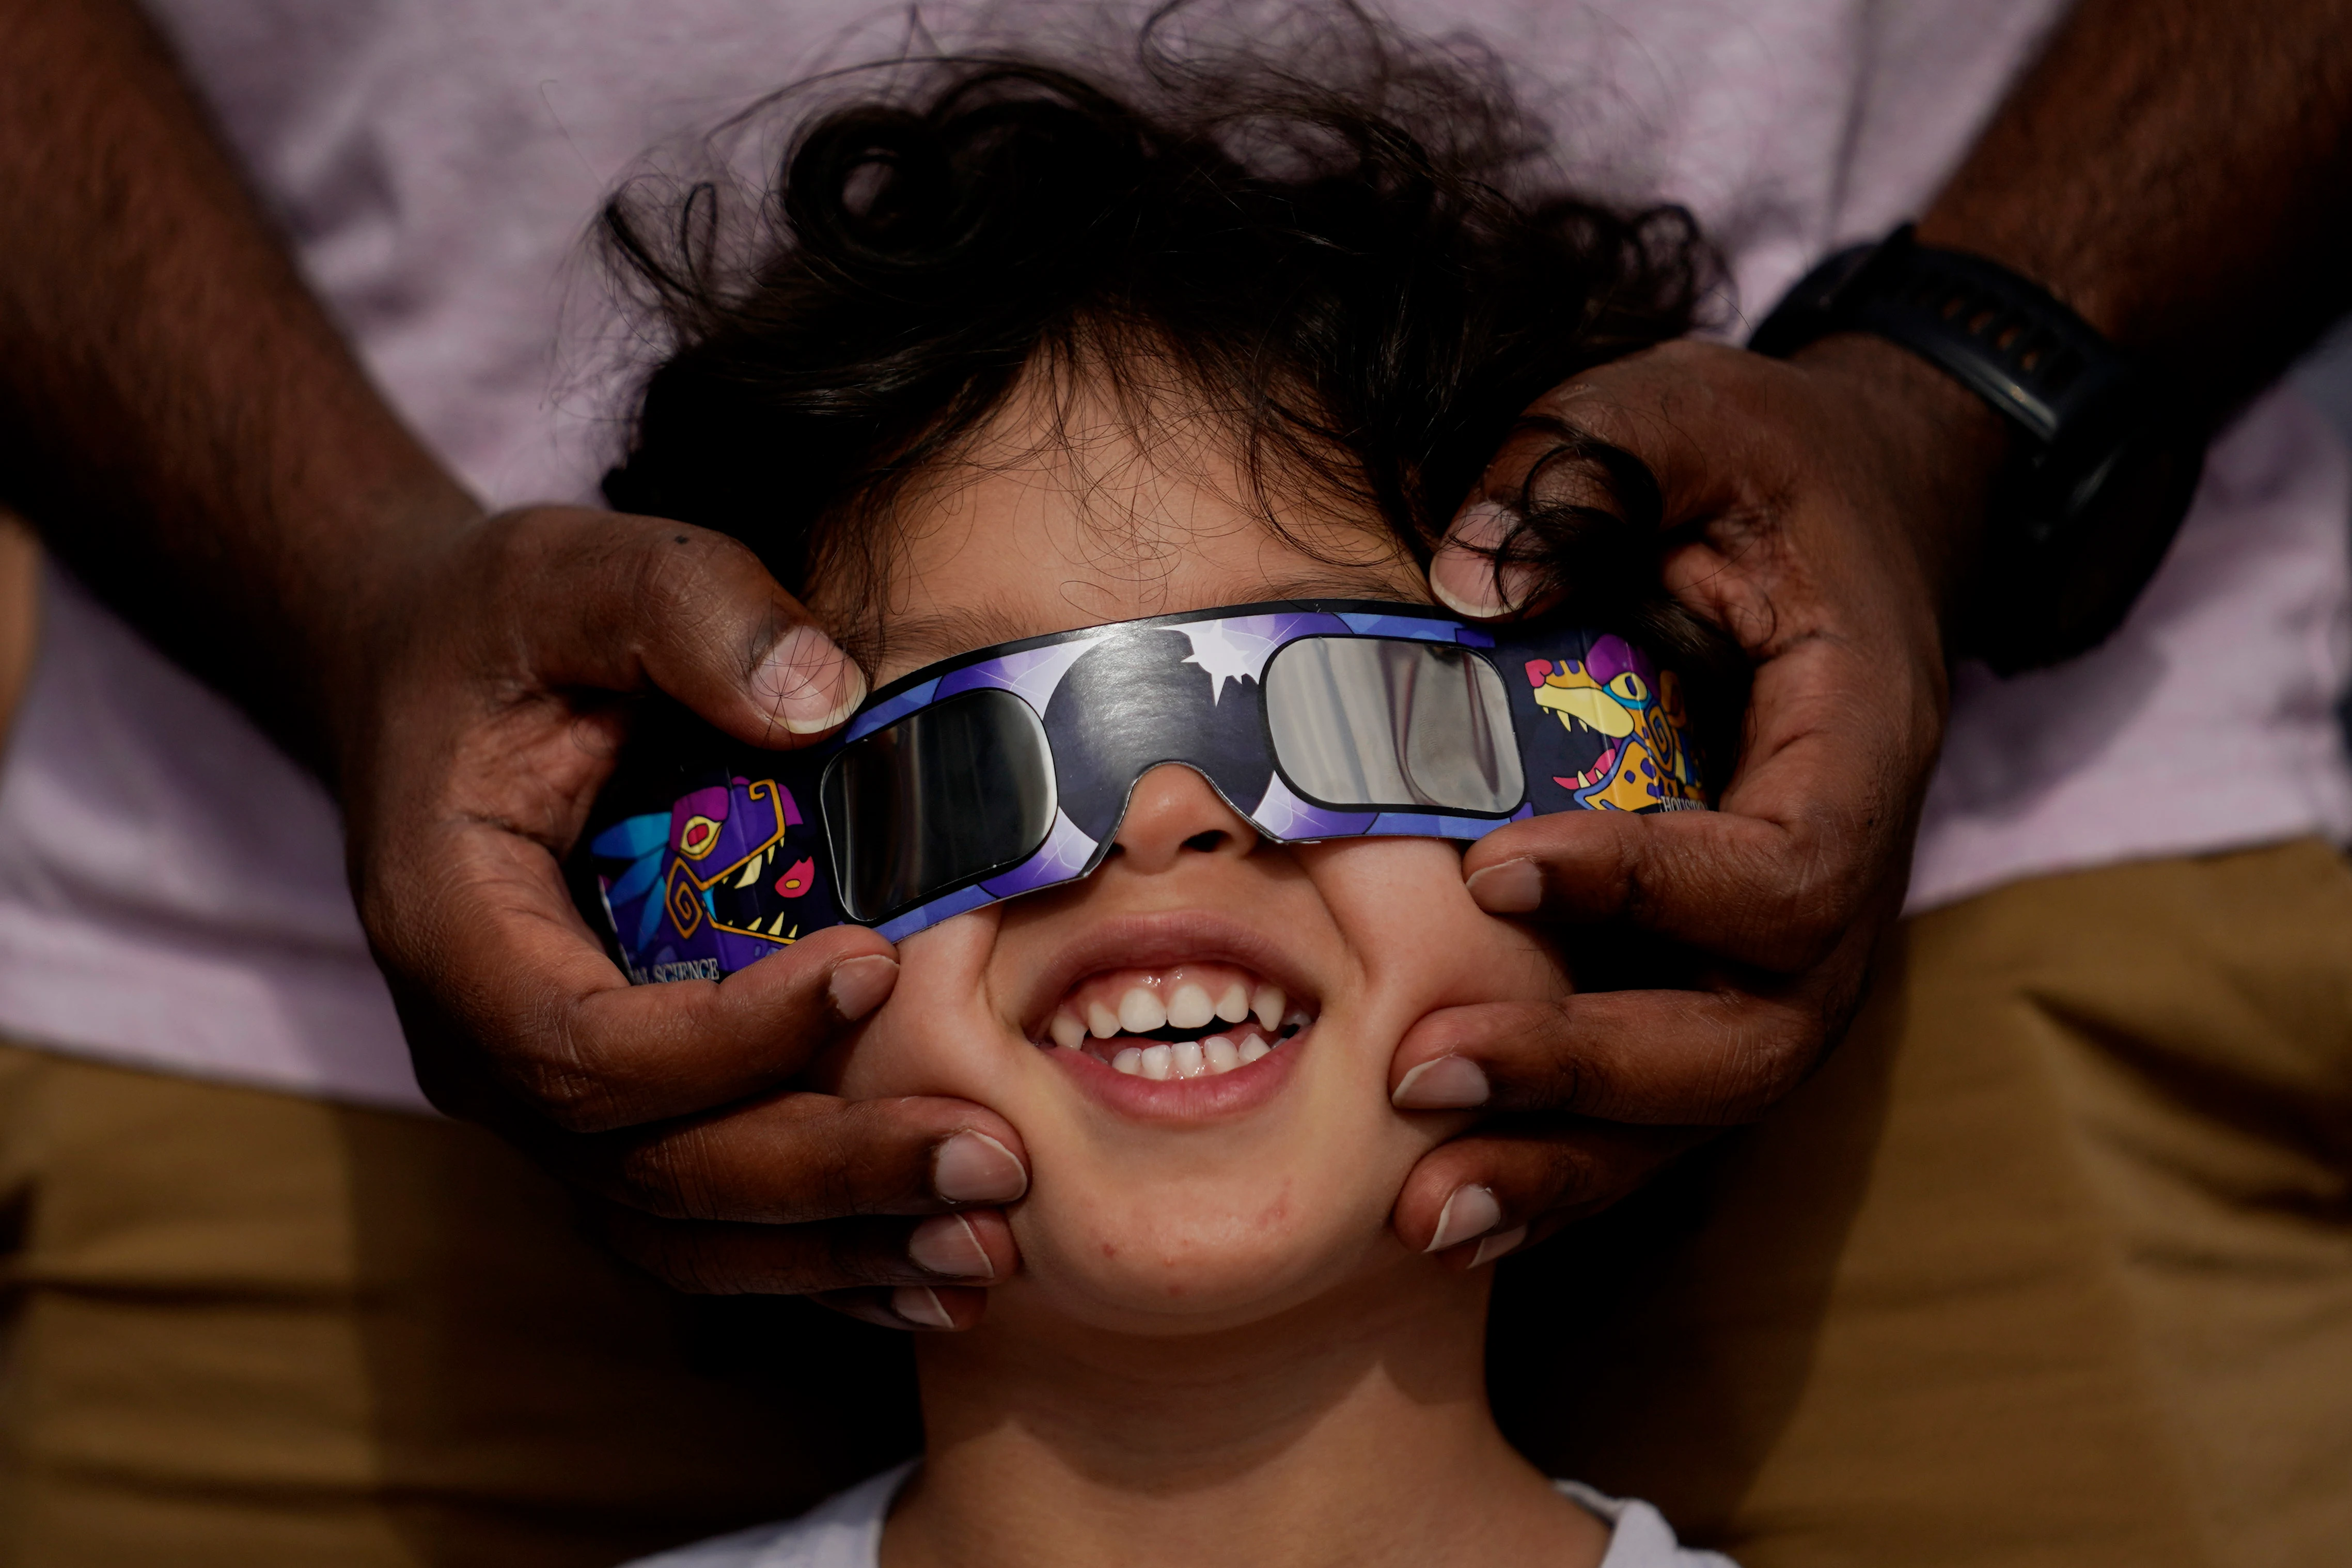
(1007, 769)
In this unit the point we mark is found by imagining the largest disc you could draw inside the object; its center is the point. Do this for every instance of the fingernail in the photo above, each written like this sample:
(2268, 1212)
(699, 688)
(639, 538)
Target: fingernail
(945, 1243)
(1445, 1083)
(807, 683)
(1483, 525)
(1512, 887)
(1471, 1211)
(973, 1168)
(1462, 574)
(919, 1307)
(1494, 1247)
(859, 986)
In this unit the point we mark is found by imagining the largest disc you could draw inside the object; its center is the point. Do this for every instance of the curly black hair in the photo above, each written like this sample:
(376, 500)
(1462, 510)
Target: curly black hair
(1348, 252)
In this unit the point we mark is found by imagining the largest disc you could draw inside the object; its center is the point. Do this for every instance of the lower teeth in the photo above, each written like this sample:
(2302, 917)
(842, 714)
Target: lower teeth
(1191, 1058)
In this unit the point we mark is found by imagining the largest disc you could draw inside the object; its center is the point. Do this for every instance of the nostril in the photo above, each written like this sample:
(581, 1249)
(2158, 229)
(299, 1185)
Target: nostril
(1204, 842)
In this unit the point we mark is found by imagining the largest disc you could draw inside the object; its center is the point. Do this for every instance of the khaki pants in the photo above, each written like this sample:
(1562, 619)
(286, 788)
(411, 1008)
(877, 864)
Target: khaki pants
(249, 1329)
(2051, 1264)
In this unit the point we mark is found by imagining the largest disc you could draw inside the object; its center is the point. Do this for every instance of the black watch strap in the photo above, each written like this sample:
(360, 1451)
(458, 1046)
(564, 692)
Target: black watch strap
(2101, 479)
(2003, 338)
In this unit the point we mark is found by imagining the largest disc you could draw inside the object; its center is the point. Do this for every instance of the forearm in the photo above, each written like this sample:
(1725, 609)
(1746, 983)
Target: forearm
(2177, 172)
(178, 415)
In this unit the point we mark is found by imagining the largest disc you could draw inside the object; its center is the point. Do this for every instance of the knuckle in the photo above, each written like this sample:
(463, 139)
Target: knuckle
(1544, 1175)
(702, 595)
(1596, 1182)
(851, 1158)
(681, 570)
(830, 1185)
(669, 1176)
(1806, 895)
(516, 550)
(1768, 1048)
(677, 1255)
(1560, 1081)
(1629, 888)
(566, 1095)
(589, 1069)
(853, 1257)
(832, 1153)
(667, 575)
(1571, 1177)
(692, 1265)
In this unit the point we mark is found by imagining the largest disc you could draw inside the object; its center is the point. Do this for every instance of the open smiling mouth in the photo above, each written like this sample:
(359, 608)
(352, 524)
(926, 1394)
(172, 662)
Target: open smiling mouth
(1194, 1020)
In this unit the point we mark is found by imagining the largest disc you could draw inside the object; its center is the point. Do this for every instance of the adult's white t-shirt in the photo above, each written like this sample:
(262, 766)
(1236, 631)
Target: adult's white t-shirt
(171, 886)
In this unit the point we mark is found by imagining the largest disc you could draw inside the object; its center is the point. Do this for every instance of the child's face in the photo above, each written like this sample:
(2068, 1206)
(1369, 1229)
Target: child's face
(1177, 1204)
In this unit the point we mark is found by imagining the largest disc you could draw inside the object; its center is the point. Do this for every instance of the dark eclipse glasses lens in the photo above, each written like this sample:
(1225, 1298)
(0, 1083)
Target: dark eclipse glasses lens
(1384, 723)
(959, 788)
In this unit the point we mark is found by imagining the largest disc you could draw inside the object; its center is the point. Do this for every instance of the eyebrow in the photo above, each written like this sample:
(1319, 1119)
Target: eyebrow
(932, 637)
(1347, 583)
(927, 638)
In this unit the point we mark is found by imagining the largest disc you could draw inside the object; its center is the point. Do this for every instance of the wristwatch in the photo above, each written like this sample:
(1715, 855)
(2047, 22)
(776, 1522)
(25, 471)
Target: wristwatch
(2104, 467)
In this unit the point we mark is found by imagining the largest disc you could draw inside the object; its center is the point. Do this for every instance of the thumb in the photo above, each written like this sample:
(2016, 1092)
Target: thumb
(621, 602)
(802, 686)
(1650, 406)
(1467, 574)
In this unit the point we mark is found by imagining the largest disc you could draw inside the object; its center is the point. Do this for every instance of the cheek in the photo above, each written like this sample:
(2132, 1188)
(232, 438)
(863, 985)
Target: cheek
(1421, 941)
(934, 1034)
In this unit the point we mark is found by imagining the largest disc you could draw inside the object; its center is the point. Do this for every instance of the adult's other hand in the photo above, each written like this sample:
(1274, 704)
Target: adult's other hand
(1822, 508)
(501, 675)
(2174, 171)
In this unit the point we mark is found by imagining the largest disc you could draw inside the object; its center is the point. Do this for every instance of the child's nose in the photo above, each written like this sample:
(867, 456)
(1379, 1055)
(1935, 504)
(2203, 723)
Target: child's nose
(1172, 812)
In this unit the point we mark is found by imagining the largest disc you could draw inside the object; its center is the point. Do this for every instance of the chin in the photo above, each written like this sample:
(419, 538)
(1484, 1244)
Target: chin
(1172, 1257)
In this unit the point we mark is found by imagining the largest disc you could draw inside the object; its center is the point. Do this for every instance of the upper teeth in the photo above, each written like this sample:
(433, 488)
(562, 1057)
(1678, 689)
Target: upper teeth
(1139, 1012)
(1189, 1007)
(1180, 1000)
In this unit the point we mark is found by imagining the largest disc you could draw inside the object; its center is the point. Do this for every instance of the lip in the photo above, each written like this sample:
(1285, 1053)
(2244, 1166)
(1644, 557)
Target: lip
(1150, 940)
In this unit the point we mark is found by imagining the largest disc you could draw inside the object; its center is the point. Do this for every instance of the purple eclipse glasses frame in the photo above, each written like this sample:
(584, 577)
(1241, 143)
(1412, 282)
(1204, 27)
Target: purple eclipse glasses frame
(1007, 769)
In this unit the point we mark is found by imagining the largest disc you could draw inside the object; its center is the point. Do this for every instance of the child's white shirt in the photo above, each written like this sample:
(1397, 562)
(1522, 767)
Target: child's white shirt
(846, 1531)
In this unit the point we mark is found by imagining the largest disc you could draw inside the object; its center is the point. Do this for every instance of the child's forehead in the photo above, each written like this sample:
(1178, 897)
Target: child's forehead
(915, 640)
(999, 547)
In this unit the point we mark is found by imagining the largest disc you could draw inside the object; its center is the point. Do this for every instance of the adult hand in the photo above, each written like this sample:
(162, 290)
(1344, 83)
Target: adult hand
(502, 672)
(1827, 506)
(240, 489)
